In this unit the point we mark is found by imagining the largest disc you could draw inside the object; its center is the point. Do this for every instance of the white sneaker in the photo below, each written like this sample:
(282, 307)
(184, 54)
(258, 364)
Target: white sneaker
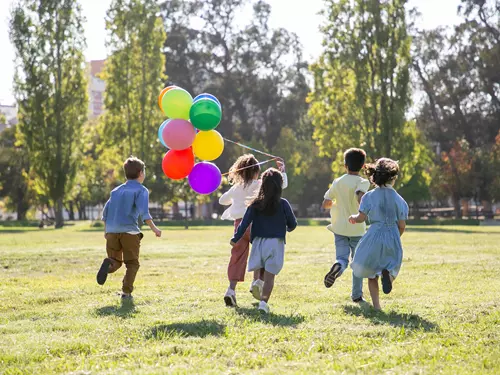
(264, 307)
(230, 298)
(256, 289)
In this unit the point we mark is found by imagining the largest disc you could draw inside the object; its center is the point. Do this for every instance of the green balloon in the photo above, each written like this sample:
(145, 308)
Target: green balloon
(205, 114)
(176, 103)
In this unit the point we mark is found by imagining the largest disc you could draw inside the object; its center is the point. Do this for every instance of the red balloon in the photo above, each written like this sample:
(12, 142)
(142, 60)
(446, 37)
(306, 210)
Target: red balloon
(177, 164)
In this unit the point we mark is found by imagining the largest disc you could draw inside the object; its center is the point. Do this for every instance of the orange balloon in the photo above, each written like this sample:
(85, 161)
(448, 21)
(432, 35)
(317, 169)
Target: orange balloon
(163, 93)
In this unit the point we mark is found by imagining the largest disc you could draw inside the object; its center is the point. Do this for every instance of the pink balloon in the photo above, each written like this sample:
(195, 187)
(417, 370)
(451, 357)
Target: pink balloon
(178, 134)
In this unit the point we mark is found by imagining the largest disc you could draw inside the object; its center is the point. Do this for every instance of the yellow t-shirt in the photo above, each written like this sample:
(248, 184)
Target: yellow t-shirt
(345, 203)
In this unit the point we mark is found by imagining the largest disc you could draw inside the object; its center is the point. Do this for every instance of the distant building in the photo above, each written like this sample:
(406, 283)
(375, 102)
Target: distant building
(96, 88)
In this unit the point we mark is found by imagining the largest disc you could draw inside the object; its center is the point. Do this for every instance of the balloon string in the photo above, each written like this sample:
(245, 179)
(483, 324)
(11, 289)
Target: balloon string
(251, 166)
(250, 148)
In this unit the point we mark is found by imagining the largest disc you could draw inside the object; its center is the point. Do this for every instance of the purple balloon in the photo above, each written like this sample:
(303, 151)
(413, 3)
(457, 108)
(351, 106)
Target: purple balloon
(205, 178)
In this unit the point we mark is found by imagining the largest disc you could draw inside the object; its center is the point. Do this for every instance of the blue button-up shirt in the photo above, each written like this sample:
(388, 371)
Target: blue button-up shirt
(127, 203)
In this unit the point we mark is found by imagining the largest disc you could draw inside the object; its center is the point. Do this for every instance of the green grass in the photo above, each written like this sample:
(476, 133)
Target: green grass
(443, 316)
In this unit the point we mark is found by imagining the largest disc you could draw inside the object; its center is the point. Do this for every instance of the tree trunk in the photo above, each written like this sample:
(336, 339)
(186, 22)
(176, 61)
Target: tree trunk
(22, 206)
(58, 209)
(487, 209)
(456, 205)
(465, 207)
(71, 211)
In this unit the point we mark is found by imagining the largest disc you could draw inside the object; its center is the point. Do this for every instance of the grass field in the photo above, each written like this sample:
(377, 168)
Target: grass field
(443, 316)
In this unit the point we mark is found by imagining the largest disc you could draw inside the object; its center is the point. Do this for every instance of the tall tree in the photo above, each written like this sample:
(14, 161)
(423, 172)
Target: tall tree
(134, 78)
(361, 82)
(51, 90)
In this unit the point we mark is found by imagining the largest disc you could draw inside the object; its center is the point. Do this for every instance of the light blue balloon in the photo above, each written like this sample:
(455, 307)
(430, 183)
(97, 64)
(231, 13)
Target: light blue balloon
(160, 131)
(207, 96)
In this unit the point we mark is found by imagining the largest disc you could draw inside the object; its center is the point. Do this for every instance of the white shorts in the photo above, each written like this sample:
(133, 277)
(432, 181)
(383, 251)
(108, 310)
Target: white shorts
(267, 253)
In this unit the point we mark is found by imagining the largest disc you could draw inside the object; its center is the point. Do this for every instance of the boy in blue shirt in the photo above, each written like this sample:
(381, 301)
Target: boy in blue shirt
(126, 204)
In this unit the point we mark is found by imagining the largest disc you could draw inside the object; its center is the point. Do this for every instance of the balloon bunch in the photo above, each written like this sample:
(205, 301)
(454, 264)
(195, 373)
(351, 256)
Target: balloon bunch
(189, 132)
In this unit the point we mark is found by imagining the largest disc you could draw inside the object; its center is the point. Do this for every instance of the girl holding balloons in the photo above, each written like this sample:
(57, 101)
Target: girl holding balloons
(244, 176)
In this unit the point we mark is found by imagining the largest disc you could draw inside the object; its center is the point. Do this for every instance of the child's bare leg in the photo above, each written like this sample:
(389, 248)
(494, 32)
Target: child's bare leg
(232, 284)
(258, 274)
(268, 286)
(374, 292)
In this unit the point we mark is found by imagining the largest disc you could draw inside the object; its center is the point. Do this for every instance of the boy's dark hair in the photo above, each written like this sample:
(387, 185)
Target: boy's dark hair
(383, 171)
(133, 168)
(269, 196)
(244, 170)
(354, 159)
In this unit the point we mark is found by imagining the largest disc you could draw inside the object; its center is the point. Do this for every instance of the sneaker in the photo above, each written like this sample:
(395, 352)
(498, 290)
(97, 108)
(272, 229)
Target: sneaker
(332, 275)
(359, 300)
(102, 274)
(230, 298)
(256, 289)
(386, 282)
(264, 307)
(126, 296)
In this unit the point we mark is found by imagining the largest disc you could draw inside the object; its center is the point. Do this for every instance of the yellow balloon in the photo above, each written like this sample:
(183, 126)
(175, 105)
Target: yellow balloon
(208, 145)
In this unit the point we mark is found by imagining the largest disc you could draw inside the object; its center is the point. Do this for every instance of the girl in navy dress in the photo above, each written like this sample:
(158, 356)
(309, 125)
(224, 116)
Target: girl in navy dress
(379, 252)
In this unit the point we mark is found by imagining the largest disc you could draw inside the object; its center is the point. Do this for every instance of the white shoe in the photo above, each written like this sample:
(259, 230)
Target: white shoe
(264, 307)
(256, 289)
(230, 298)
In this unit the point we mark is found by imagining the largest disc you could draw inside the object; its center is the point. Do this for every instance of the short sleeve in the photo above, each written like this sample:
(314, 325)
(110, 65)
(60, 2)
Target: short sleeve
(365, 205)
(363, 186)
(330, 194)
(402, 209)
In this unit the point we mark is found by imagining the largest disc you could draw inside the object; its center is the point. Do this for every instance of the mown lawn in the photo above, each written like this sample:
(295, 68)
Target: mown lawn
(443, 316)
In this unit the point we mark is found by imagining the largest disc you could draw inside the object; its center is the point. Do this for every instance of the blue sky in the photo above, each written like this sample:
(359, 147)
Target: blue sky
(296, 15)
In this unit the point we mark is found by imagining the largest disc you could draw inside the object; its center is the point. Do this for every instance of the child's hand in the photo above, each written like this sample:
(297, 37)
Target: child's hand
(352, 219)
(157, 232)
(281, 165)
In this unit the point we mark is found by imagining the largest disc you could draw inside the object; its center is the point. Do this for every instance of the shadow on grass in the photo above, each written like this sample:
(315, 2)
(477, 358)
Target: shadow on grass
(444, 229)
(203, 328)
(408, 321)
(255, 315)
(125, 310)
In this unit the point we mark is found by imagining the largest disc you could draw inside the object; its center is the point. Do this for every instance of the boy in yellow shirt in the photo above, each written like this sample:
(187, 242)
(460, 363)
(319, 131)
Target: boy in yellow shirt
(343, 200)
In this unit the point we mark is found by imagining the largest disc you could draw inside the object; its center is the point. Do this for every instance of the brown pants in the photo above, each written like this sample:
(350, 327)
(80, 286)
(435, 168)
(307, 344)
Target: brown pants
(124, 248)
(239, 255)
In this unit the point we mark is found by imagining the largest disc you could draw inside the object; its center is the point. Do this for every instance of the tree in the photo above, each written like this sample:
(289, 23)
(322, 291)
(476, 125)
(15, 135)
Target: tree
(258, 73)
(460, 113)
(51, 90)
(14, 169)
(134, 77)
(361, 88)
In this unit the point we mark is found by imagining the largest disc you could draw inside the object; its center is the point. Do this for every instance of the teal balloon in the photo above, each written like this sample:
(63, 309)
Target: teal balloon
(205, 114)
(206, 96)
(160, 132)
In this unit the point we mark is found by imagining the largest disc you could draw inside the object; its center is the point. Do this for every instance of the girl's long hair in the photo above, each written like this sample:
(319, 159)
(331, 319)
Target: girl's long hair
(244, 170)
(268, 199)
(384, 170)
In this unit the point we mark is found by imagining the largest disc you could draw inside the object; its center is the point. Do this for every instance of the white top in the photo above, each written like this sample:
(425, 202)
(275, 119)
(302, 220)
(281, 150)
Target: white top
(239, 197)
(345, 203)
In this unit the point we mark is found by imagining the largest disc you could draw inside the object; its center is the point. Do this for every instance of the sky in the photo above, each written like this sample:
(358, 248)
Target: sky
(301, 18)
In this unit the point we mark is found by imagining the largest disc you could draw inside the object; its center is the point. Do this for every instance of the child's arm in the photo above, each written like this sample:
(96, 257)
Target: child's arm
(359, 195)
(357, 219)
(401, 226)
(291, 220)
(245, 223)
(143, 205)
(281, 166)
(327, 204)
(153, 227)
